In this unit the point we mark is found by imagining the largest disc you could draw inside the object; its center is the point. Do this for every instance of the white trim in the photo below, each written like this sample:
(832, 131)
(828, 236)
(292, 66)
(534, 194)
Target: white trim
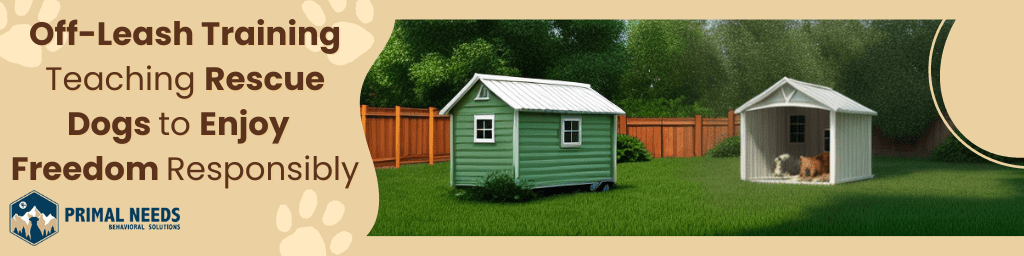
(561, 134)
(478, 77)
(615, 149)
(790, 96)
(761, 96)
(847, 111)
(493, 128)
(855, 179)
(483, 93)
(568, 112)
(743, 146)
(794, 83)
(528, 80)
(779, 180)
(515, 144)
(782, 105)
(829, 140)
(451, 152)
(871, 137)
(833, 155)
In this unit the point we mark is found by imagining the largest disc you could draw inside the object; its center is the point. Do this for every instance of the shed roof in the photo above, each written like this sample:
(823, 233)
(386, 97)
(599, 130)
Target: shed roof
(541, 95)
(819, 96)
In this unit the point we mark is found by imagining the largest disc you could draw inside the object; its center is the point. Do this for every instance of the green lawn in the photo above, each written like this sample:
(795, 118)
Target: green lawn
(705, 196)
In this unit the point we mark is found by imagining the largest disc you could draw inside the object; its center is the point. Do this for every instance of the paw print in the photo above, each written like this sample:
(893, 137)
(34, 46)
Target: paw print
(307, 240)
(355, 40)
(15, 44)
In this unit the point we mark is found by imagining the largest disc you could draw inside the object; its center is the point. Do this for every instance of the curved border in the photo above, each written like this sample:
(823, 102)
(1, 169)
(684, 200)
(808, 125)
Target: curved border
(954, 133)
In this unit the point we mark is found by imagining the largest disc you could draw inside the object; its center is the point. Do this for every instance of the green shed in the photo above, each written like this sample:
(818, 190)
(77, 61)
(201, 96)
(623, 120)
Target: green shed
(551, 133)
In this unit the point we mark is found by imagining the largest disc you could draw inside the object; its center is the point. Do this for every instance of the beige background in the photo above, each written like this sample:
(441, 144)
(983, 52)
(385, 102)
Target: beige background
(979, 69)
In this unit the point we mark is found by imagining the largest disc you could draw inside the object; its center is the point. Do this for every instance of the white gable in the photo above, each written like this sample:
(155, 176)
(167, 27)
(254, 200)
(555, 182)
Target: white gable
(793, 93)
(540, 95)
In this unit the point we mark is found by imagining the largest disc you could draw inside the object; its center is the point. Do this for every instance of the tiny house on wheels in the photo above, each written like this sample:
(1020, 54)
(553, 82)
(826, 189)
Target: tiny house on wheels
(804, 119)
(547, 132)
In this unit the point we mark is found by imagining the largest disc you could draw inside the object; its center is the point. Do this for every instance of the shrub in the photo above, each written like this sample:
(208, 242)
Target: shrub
(730, 147)
(952, 151)
(661, 107)
(498, 186)
(632, 149)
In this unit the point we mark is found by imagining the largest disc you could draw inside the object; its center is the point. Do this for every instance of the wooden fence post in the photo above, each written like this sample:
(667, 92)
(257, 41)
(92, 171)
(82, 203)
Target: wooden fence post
(430, 135)
(622, 124)
(661, 132)
(398, 137)
(362, 115)
(732, 123)
(698, 136)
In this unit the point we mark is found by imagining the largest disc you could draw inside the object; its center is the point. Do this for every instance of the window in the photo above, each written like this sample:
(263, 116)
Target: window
(571, 131)
(483, 129)
(796, 128)
(828, 139)
(483, 94)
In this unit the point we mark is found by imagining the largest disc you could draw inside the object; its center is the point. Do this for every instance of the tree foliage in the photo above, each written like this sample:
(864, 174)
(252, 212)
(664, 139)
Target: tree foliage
(668, 68)
(426, 62)
(671, 63)
(891, 77)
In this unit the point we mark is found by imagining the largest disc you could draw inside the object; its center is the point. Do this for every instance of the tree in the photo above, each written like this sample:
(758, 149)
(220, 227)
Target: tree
(760, 52)
(438, 78)
(671, 64)
(591, 52)
(891, 77)
(426, 62)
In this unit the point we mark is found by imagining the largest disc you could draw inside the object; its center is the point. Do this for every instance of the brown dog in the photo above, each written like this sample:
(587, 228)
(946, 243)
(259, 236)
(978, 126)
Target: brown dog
(814, 168)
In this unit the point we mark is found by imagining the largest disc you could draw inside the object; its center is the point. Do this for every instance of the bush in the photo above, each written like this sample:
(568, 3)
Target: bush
(632, 149)
(952, 151)
(498, 186)
(661, 107)
(730, 147)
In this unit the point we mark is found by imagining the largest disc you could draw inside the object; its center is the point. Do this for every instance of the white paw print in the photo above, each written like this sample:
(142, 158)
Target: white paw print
(307, 240)
(15, 44)
(355, 40)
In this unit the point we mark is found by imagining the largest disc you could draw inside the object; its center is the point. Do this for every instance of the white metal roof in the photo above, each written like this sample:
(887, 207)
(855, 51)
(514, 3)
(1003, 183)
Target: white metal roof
(541, 95)
(820, 96)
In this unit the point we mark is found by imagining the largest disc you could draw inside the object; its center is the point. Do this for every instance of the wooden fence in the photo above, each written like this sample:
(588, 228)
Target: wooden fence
(934, 135)
(680, 137)
(398, 135)
(420, 135)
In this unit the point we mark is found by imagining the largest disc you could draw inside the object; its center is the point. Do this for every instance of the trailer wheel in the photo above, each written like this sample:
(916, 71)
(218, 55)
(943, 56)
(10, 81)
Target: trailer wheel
(606, 186)
(594, 187)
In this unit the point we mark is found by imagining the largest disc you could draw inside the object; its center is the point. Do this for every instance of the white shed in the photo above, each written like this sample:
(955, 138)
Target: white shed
(804, 119)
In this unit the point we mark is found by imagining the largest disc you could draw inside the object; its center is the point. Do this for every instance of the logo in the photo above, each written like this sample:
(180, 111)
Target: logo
(34, 218)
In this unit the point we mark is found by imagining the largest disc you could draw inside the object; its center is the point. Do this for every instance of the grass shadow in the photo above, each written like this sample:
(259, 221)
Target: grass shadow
(919, 207)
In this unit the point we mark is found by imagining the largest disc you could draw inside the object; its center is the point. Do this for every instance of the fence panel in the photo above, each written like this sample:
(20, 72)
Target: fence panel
(411, 135)
(663, 137)
(413, 140)
(680, 137)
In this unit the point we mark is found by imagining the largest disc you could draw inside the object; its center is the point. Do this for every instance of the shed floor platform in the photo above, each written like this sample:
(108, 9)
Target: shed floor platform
(785, 180)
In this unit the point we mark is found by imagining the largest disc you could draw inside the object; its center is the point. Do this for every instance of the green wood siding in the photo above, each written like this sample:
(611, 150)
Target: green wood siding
(543, 161)
(472, 161)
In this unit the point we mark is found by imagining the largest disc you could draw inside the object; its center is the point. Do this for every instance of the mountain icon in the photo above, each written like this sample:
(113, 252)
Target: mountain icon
(33, 218)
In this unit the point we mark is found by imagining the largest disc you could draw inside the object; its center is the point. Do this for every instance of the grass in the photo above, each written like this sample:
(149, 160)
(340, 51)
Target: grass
(705, 196)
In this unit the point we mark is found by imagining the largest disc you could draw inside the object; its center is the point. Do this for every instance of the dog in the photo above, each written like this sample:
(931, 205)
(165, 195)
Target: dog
(778, 164)
(814, 168)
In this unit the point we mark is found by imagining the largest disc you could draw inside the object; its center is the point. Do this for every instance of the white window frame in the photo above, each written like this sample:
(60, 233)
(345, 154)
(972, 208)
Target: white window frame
(789, 125)
(827, 140)
(562, 131)
(483, 93)
(475, 128)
